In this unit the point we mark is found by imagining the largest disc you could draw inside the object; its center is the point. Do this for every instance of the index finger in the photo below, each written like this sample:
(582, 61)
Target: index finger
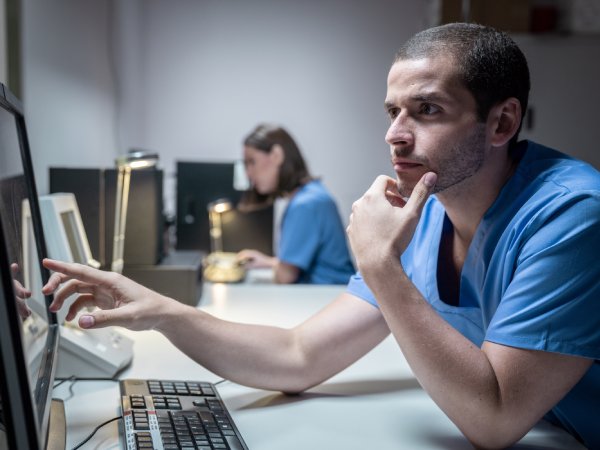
(421, 192)
(67, 271)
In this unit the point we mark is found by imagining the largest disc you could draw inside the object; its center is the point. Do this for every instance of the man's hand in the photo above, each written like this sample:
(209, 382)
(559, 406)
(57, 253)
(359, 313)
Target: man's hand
(382, 223)
(122, 301)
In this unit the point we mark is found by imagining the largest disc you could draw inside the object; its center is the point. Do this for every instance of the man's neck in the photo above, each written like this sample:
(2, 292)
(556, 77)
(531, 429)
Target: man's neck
(466, 203)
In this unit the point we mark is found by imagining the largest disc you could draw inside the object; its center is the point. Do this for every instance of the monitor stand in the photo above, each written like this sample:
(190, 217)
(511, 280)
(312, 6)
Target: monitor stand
(57, 430)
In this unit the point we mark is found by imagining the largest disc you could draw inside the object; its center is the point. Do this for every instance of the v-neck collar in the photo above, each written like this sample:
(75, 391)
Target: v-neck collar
(474, 262)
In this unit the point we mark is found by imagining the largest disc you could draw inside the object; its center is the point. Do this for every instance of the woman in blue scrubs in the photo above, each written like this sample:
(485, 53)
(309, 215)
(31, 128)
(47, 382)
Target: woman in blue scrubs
(312, 245)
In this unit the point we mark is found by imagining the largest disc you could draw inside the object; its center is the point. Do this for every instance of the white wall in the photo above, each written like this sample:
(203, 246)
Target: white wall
(68, 89)
(211, 70)
(565, 73)
(190, 78)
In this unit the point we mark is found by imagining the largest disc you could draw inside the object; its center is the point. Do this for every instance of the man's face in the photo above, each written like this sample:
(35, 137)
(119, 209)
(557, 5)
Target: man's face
(434, 125)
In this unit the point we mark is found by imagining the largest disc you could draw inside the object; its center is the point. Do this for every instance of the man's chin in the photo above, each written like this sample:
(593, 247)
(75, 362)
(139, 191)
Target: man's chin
(404, 188)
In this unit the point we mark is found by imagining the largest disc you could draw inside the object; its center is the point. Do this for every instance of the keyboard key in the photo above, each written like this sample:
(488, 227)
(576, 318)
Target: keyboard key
(234, 443)
(208, 391)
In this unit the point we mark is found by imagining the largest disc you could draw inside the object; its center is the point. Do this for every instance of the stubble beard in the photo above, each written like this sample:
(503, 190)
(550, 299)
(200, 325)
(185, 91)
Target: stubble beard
(454, 165)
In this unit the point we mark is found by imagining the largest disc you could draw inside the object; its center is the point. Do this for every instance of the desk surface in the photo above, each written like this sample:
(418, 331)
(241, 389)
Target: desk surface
(375, 403)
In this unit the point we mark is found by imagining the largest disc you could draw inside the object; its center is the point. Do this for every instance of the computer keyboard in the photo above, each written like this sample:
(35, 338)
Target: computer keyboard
(166, 415)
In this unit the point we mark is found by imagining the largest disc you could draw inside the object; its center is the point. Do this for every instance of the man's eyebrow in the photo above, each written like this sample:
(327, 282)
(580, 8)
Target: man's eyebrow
(427, 97)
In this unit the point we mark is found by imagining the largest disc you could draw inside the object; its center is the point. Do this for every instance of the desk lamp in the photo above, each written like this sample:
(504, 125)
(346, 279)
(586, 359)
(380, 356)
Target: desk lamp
(215, 209)
(220, 266)
(134, 159)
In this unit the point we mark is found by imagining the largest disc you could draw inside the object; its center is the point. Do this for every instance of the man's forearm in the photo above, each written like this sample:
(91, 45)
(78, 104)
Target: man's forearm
(288, 360)
(254, 355)
(456, 373)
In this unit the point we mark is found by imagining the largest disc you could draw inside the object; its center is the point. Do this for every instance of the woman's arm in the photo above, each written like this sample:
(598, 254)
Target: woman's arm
(283, 273)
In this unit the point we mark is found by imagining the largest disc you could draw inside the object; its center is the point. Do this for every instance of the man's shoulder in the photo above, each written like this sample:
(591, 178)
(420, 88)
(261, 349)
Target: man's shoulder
(553, 169)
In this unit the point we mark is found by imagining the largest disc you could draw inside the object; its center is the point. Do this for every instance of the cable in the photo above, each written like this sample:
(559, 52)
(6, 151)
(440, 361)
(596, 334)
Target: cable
(62, 380)
(220, 381)
(74, 379)
(94, 432)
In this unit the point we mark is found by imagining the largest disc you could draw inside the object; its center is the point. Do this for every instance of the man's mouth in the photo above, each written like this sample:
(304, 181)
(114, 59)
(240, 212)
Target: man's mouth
(404, 165)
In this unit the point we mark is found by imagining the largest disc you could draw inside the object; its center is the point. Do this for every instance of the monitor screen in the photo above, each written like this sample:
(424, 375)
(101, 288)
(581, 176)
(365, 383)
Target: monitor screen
(65, 236)
(248, 229)
(64, 230)
(198, 184)
(28, 333)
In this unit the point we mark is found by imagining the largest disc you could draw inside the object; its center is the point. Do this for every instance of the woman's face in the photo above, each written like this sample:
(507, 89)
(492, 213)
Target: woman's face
(262, 169)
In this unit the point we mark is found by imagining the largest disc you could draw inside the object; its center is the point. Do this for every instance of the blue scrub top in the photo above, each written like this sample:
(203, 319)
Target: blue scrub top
(313, 237)
(531, 278)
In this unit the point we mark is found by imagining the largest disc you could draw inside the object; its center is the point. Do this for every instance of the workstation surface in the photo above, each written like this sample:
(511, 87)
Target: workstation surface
(375, 403)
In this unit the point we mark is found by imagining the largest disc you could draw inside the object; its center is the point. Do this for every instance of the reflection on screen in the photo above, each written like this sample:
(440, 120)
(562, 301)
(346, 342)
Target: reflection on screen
(21, 247)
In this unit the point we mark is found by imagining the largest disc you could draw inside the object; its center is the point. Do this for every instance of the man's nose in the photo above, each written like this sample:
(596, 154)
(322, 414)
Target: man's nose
(399, 133)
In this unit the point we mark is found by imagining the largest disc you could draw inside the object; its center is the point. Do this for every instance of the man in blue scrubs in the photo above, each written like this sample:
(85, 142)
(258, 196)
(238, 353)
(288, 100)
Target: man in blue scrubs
(490, 287)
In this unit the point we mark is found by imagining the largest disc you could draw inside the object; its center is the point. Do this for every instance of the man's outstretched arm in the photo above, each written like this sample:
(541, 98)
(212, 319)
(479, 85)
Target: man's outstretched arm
(289, 360)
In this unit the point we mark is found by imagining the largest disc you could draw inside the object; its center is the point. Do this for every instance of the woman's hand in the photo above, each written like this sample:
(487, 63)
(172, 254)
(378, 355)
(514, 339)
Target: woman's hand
(253, 259)
(122, 301)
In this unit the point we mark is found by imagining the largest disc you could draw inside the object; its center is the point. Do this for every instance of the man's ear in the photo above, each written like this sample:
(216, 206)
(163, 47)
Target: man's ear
(277, 154)
(505, 119)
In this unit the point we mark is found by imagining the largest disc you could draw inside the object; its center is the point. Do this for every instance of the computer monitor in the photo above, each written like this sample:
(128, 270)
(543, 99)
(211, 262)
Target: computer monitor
(64, 230)
(198, 184)
(82, 353)
(201, 183)
(28, 333)
(95, 192)
(248, 229)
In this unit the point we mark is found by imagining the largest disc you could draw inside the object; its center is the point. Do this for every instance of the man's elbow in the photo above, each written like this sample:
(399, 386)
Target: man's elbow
(297, 383)
(493, 436)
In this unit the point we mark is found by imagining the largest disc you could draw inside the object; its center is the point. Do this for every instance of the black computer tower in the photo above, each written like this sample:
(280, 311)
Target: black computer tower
(95, 192)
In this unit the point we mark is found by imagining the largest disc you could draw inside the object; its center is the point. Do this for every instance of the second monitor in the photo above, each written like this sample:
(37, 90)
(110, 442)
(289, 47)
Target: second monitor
(101, 352)
(201, 183)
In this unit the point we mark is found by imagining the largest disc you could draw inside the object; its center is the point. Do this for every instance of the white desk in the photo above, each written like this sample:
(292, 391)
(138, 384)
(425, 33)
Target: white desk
(374, 404)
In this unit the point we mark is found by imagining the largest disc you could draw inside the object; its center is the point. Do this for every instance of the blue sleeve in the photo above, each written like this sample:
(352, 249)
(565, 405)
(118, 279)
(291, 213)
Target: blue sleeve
(359, 288)
(357, 285)
(553, 300)
(300, 234)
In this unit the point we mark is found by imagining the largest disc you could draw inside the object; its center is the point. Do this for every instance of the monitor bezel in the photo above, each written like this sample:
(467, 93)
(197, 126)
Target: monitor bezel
(26, 410)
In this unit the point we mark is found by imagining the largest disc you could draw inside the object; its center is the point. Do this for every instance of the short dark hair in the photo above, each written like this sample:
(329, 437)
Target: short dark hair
(293, 172)
(491, 65)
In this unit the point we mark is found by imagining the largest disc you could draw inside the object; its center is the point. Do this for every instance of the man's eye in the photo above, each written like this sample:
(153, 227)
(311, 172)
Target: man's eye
(393, 113)
(428, 108)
